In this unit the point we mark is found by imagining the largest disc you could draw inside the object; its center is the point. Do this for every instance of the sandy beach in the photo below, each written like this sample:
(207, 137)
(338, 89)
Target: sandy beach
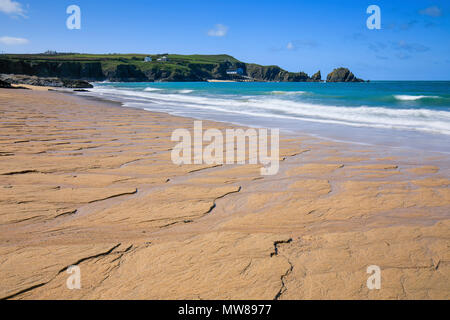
(90, 183)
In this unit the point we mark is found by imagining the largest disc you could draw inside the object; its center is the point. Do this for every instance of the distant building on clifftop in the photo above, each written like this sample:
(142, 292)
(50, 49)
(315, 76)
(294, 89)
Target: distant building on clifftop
(147, 59)
(163, 59)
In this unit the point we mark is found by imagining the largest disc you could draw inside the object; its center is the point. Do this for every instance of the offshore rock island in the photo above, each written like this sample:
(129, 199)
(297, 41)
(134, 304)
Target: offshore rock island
(148, 68)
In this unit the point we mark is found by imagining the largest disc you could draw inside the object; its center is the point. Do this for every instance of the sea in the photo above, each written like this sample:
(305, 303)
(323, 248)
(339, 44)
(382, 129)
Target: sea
(397, 114)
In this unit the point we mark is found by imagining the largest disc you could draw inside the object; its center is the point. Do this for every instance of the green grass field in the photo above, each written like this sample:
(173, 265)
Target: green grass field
(111, 61)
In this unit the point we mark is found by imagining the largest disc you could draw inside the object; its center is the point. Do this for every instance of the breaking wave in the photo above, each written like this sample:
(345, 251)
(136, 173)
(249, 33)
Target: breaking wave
(413, 98)
(425, 120)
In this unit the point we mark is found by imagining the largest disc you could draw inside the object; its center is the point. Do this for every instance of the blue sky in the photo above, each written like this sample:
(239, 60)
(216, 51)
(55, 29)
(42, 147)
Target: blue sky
(412, 44)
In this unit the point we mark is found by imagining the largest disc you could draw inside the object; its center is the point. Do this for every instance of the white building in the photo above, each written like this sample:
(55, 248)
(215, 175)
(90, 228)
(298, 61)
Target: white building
(148, 59)
(163, 59)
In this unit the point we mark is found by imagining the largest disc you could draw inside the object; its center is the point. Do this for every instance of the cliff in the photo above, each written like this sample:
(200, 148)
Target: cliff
(70, 70)
(274, 73)
(132, 68)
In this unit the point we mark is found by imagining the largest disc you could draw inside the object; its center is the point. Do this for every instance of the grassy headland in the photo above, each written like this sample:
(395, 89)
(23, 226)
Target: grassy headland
(132, 67)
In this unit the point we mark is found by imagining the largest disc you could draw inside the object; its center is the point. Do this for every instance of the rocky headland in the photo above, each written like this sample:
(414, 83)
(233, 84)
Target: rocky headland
(133, 68)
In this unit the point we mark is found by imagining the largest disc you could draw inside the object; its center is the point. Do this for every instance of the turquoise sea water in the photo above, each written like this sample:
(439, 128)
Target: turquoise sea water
(397, 113)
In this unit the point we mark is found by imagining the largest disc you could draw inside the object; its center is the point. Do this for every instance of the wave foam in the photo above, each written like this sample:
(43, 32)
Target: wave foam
(424, 120)
(413, 98)
(288, 92)
(149, 89)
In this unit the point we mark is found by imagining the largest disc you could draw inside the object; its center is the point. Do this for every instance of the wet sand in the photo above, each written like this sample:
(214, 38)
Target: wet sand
(90, 183)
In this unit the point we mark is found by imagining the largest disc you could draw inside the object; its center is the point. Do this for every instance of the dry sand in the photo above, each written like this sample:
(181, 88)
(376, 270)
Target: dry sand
(92, 184)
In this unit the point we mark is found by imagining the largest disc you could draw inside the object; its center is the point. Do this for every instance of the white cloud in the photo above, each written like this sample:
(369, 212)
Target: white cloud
(218, 31)
(11, 7)
(433, 11)
(11, 41)
(290, 46)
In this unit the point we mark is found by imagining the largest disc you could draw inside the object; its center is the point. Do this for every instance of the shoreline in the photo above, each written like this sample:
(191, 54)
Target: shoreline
(394, 151)
(380, 137)
(400, 150)
(92, 181)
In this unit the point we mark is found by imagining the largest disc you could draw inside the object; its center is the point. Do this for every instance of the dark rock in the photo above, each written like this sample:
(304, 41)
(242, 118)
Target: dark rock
(44, 82)
(5, 85)
(90, 71)
(342, 75)
(274, 73)
(127, 73)
(31, 80)
(79, 84)
(317, 77)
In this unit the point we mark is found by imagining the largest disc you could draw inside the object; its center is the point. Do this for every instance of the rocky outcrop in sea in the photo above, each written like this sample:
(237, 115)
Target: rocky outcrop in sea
(342, 75)
(316, 77)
